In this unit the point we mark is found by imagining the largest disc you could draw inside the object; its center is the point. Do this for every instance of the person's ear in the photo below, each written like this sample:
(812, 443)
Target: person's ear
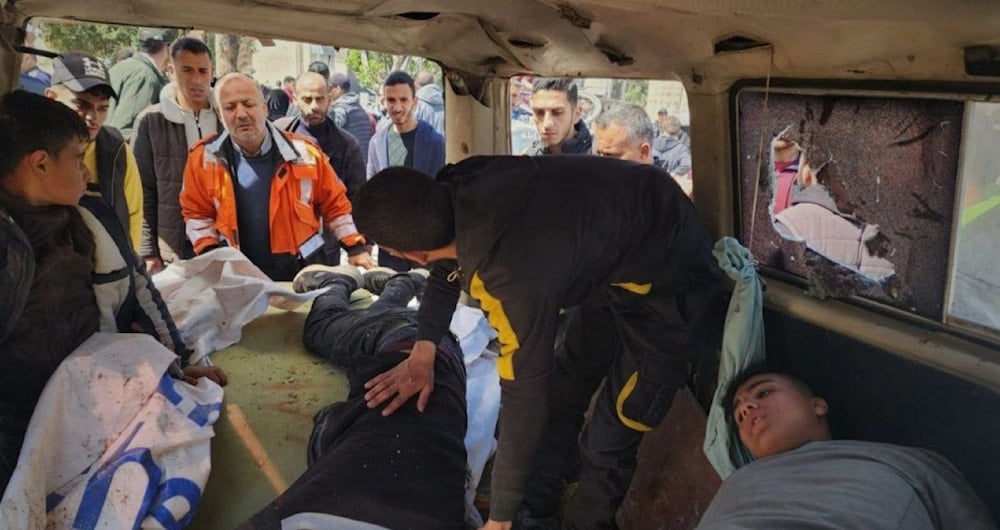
(645, 150)
(820, 407)
(51, 94)
(38, 161)
(577, 114)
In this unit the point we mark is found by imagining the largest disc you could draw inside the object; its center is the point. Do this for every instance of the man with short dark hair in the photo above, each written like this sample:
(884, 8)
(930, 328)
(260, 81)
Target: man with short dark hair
(407, 142)
(527, 237)
(556, 114)
(263, 190)
(803, 479)
(81, 82)
(320, 68)
(139, 79)
(342, 149)
(163, 135)
(278, 103)
(66, 268)
(348, 113)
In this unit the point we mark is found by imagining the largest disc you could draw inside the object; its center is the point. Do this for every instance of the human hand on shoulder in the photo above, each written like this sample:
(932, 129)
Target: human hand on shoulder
(414, 375)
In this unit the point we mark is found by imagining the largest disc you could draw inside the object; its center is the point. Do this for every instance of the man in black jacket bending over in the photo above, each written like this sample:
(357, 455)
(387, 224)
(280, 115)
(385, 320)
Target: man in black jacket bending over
(528, 237)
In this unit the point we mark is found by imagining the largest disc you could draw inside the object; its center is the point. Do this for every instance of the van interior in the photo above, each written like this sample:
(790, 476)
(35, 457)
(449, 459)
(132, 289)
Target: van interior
(891, 105)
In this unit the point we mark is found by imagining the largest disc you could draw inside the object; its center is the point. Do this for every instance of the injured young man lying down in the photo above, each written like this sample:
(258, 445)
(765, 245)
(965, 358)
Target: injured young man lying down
(367, 471)
(803, 479)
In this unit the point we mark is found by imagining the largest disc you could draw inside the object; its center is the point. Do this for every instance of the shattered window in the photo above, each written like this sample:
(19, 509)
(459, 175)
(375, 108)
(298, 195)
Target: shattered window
(854, 194)
(975, 287)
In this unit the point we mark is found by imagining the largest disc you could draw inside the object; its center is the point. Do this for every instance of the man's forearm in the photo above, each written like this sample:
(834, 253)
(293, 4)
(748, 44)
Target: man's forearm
(438, 302)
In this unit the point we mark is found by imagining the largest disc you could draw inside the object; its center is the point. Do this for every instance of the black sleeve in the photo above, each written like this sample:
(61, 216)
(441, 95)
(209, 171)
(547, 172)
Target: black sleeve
(151, 312)
(142, 149)
(354, 168)
(439, 300)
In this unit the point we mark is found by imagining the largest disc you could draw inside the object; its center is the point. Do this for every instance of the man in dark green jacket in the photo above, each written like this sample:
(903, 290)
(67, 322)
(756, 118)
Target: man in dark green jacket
(527, 237)
(139, 79)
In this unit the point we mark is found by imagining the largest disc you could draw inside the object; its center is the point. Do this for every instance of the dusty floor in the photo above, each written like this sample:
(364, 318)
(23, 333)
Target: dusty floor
(274, 389)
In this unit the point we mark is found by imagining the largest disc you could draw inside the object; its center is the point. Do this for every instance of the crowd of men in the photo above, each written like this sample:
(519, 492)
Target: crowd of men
(164, 168)
(150, 111)
(620, 130)
(596, 273)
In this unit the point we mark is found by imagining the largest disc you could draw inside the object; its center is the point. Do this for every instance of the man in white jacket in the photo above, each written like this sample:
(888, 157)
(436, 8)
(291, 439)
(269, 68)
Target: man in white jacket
(163, 135)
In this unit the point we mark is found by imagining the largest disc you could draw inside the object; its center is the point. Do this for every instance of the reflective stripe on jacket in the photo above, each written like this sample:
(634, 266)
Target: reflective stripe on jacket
(304, 189)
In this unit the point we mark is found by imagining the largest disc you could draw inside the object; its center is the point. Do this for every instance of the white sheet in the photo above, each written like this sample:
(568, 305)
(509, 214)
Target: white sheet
(482, 397)
(213, 296)
(114, 442)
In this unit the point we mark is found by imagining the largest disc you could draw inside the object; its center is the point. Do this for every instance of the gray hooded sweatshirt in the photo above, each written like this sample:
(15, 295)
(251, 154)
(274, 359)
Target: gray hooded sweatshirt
(430, 106)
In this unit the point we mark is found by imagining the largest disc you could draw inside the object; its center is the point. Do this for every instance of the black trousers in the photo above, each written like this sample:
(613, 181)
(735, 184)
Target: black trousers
(405, 471)
(607, 351)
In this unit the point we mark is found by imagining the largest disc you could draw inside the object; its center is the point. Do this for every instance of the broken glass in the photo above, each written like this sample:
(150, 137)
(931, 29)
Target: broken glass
(883, 167)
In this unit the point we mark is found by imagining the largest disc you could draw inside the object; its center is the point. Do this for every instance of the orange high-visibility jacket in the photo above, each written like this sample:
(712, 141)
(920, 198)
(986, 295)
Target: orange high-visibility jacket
(304, 189)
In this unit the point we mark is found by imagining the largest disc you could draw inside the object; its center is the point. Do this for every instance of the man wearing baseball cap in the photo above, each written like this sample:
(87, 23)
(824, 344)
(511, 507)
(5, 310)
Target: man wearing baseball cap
(82, 83)
(139, 79)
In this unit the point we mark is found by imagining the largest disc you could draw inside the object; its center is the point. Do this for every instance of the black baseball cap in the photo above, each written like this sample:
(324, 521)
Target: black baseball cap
(81, 72)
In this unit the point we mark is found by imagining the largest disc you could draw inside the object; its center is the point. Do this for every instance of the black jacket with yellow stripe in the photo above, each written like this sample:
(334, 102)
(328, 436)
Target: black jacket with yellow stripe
(537, 234)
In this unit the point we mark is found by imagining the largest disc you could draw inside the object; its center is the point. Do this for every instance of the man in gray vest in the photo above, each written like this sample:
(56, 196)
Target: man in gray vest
(81, 82)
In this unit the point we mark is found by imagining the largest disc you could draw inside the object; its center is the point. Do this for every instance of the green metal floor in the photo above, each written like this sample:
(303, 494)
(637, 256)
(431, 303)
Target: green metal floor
(275, 388)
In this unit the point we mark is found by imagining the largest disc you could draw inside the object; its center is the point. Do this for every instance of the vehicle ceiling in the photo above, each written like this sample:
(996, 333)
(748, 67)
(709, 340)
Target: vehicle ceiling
(843, 39)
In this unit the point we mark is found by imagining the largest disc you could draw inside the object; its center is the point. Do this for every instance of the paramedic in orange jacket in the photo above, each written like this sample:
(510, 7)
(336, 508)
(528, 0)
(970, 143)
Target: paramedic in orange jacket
(264, 191)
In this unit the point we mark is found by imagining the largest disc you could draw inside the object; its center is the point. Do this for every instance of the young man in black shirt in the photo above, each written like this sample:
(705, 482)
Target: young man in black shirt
(528, 237)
